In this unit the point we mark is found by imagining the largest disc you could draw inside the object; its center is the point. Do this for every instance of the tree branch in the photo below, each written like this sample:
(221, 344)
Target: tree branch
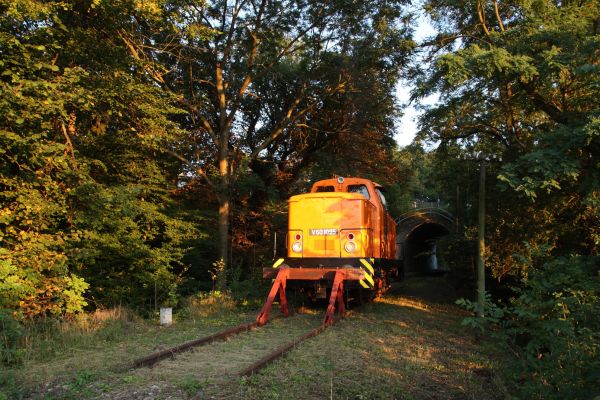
(555, 113)
(290, 117)
(480, 13)
(187, 162)
(134, 52)
(68, 144)
(498, 15)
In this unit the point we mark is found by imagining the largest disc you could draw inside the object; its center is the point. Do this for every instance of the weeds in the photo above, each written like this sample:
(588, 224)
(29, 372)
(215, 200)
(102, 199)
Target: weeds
(52, 337)
(79, 387)
(46, 338)
(10, 333)
(208, 304)
(191, 386)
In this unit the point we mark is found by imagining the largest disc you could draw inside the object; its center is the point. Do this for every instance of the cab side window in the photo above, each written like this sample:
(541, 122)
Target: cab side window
(360, 189)
(382, 197)
(325, 189)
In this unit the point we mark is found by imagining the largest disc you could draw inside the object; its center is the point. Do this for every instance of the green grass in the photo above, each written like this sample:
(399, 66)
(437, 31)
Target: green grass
(397, 347)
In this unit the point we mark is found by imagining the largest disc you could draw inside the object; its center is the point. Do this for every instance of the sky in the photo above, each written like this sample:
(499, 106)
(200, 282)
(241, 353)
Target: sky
(407, 128)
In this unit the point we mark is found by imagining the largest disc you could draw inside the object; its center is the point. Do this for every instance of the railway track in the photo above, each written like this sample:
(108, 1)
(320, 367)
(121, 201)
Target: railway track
(250, 338)
(278, 289)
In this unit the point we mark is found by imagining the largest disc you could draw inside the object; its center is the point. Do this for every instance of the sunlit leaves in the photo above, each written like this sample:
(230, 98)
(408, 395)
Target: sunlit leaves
(74, 114)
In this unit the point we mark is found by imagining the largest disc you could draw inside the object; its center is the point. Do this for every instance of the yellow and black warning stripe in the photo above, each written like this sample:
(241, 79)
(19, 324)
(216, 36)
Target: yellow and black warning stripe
(367, 267)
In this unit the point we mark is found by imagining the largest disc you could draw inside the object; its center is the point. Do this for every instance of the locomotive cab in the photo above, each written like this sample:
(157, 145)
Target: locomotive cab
(341, 218)
(341, 242)
(342, 223)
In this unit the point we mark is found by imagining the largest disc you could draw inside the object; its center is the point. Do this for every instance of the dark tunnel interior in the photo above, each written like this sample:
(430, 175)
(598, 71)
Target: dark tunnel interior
(420, 248)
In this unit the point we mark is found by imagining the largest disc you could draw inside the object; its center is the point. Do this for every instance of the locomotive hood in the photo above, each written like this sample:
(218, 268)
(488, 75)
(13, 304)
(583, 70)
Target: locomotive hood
(322, 222)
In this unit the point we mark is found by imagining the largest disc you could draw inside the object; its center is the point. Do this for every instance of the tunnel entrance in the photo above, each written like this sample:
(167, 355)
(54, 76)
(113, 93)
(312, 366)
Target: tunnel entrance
(418, 234)
(421, 249)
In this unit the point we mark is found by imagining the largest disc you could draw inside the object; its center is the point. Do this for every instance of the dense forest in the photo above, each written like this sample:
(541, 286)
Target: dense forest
(148, 148)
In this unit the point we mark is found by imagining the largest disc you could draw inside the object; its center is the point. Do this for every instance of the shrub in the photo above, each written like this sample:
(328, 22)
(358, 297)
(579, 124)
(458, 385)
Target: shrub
(553, 326)
(10, 333)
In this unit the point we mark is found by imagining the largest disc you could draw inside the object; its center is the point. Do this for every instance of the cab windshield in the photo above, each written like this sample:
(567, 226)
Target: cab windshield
(360, 189)
(382, 197)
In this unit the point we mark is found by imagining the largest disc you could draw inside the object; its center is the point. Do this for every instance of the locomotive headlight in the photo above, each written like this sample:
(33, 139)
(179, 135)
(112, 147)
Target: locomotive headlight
(350, 247)
(297, 247)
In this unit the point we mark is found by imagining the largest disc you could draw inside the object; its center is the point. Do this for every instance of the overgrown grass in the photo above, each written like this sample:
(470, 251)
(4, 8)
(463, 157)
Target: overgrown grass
(60, 358)
(394, 348)
(52, 337)
(398, 347)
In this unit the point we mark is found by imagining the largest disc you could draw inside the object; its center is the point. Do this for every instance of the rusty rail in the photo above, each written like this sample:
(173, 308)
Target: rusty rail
(278, 288)
(266, 360)
(152, 359)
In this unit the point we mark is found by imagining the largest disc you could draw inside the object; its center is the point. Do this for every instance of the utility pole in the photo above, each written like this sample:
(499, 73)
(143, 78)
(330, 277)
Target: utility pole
(481, 241)
(457, 208)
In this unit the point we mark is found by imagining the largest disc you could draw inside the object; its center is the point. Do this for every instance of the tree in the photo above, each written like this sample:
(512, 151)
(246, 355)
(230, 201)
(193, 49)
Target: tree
(519, 80)
(251, 73)
(78, 183)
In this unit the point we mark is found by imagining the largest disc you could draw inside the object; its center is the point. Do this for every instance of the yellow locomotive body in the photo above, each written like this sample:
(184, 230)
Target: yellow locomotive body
(342, 223)
(340, 240)
(330, 225)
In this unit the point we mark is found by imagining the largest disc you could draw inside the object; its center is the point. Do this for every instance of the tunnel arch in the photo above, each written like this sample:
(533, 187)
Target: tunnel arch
(417, 235)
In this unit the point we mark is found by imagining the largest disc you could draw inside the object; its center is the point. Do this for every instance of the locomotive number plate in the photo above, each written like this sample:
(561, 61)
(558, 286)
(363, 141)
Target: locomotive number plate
(323, 232)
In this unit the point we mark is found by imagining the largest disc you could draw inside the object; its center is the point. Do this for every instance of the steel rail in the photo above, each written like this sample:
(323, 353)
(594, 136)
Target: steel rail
(280, 351)
(154, 358)
(336, 299)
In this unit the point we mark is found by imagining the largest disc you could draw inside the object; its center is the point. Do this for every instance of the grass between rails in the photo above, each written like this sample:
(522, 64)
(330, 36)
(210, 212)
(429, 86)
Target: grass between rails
(394, 348)
(397, 347)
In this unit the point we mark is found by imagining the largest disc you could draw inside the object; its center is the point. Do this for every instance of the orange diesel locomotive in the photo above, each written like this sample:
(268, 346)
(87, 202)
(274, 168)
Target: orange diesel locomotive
(342, 232)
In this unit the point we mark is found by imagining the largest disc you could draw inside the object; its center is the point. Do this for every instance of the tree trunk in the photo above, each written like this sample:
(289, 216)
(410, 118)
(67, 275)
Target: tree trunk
(223, 238)
(224, 190)
(481, 243)
(224, 208)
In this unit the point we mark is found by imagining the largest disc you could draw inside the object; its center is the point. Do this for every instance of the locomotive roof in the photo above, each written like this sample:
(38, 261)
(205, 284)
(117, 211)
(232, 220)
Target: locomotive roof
(349, 180)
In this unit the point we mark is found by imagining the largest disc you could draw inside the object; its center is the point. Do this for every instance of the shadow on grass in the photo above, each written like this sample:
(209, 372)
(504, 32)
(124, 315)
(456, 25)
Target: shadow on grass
(397, 347)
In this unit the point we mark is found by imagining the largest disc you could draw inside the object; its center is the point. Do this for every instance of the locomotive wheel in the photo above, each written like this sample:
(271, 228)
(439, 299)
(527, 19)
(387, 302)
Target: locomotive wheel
(363, 296)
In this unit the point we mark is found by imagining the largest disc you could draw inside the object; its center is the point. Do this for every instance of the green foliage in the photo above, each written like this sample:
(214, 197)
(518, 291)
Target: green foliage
(562, 158)
(83, 200)
(125, 235)
(556, 324)
(10, 333)
(523, 93)
(493, 313)
(518, 84)
(553, 326)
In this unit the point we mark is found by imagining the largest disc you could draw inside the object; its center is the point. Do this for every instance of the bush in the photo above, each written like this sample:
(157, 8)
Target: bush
(555, 322)
(553, 326)
(10, 333)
